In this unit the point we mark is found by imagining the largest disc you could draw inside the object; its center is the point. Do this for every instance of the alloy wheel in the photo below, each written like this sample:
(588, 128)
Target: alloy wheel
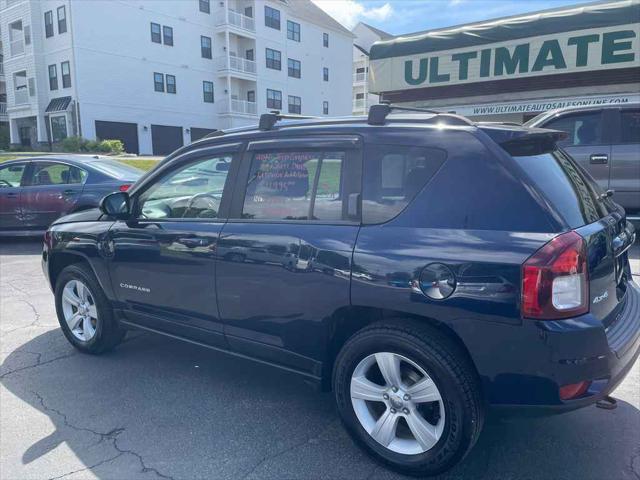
(397, 403)
(79, 309)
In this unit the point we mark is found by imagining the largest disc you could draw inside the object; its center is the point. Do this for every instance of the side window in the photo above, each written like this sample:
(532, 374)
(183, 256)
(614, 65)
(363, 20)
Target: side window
(393, 176)
(49, 173)
(583, 128)
(295, 185)
(191, 191)
(11, 175)
(630, 131)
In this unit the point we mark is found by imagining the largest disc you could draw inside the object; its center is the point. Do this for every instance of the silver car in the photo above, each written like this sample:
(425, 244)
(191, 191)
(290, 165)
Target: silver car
(605, 140)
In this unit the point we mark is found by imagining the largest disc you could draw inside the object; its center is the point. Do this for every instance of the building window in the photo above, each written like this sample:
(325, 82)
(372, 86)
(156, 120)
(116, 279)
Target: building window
(66, 74)
(62, 19)
(274, 60)
(48, 23)
(53, 77)
(58, 128)
(325, 40)
(205, 7)
(167, 35)
(293, 31)
(171, 83)
(272, 17)
(16, 38)
(205, 47)
(158, 82)
(325, 74)
(274, 99)
(325, 108)
(207, 91)
(251, 96)
(293, 67)
(249, 54)
(248, 12)
(155, 33)
(295, 104)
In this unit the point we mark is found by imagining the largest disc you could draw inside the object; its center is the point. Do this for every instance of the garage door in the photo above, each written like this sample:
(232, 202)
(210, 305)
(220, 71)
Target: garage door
(166, 139)
(198, 133)
(125, 132)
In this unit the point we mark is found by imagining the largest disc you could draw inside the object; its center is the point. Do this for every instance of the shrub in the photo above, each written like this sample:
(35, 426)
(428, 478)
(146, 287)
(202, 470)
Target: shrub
(79, 144)
(112, 146)
(73, 144)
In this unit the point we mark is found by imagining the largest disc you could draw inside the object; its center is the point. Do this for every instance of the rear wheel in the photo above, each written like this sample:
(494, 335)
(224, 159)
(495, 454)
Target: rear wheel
(409, 396)
(84, 312)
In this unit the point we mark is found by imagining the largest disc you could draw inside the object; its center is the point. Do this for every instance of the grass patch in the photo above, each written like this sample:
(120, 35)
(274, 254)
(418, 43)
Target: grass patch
(141, 164)
(7, 157)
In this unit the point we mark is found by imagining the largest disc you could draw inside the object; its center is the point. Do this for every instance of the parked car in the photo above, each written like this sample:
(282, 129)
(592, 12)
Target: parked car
(605, 140)
(36, 191)
(448, 267)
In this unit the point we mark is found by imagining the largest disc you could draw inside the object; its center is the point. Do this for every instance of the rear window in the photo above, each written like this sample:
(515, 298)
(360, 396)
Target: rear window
(393, 176)
(630, 128)
(571, 191)
(117, 170)
(582, 128)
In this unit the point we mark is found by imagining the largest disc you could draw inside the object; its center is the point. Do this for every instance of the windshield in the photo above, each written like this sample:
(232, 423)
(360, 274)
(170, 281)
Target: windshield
(571, 191)
(117, 169)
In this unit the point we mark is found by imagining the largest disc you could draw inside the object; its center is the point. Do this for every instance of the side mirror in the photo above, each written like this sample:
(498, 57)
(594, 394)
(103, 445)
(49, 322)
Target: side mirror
(116, 205)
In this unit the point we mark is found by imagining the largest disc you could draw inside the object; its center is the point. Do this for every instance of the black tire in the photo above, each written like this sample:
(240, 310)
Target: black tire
(450, 369)
(108, 332)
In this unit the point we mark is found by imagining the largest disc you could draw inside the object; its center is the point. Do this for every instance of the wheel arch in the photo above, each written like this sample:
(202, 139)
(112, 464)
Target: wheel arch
(58, 261)
(350, 320)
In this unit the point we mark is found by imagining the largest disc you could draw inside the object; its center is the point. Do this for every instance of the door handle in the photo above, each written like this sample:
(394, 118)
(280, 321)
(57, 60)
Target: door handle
(599, 159)
(193, 242)
(12, 194)
(68, 193)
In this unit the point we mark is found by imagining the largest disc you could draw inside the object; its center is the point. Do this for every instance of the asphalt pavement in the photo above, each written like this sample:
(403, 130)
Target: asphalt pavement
(159, 408)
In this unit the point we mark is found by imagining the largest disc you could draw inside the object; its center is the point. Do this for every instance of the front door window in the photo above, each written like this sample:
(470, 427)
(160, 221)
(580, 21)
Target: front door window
(193, 191)
(11, 175)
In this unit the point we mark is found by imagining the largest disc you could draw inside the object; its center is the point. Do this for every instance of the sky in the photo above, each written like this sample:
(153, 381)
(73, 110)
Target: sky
(407, 16)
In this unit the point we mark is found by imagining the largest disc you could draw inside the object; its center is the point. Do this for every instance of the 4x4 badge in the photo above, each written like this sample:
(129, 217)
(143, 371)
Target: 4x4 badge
(599, 298)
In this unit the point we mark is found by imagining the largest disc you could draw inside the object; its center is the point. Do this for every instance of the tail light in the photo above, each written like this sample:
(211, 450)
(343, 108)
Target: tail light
(124, 188)
(574, 390)
(555, 281)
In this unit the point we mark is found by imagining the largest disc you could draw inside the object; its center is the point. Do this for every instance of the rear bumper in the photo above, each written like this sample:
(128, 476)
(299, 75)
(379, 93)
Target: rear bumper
(527, 364)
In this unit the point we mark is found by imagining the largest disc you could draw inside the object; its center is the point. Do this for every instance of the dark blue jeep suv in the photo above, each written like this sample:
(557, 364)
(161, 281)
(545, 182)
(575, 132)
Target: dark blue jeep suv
(422, 266)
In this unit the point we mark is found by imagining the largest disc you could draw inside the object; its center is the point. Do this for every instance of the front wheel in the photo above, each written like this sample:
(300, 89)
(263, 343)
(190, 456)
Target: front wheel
(84, 312)
(409, 396)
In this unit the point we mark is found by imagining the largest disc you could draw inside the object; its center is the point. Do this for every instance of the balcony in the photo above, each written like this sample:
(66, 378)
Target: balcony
(359, 105)
(360, 77)
(234, 106)
(21, 97)
(236, 64)
(236, 19)
(3, 109)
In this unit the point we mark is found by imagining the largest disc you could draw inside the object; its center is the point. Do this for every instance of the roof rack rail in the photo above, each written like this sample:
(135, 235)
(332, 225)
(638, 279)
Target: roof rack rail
(268, 120)
(215, 133)
(378, 113)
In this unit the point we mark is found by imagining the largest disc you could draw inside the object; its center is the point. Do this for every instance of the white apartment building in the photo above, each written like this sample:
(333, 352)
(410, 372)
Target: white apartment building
(3, 91)
(365, 35)
(158, 74)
